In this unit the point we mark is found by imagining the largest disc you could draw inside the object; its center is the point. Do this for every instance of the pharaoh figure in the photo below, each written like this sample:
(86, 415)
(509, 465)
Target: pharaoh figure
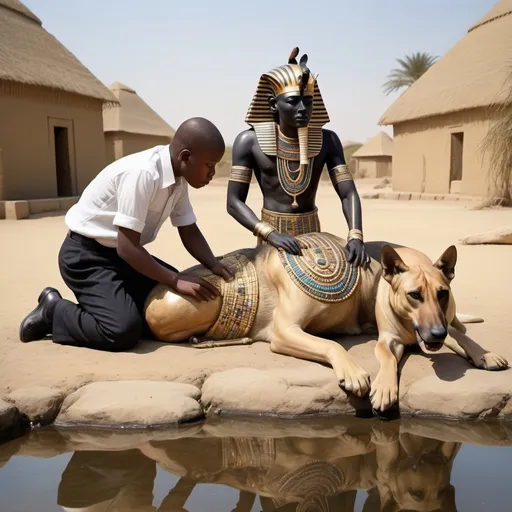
(287, 149)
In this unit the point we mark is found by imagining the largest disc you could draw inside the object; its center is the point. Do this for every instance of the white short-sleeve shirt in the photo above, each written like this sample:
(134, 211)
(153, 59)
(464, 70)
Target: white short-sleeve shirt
(138, 192)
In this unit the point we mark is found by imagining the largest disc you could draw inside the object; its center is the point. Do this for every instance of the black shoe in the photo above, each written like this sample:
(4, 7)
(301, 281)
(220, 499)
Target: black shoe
(38, 323)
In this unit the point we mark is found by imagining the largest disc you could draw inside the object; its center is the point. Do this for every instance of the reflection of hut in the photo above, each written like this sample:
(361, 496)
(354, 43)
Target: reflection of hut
(373, 160)
(51, 131)
(133, 125)
(441, 120)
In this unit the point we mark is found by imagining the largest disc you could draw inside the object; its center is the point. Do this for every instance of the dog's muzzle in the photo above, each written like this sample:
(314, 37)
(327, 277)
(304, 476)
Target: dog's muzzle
(433, 341)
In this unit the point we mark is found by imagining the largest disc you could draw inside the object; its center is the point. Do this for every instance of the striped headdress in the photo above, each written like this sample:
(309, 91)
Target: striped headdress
(292, 77)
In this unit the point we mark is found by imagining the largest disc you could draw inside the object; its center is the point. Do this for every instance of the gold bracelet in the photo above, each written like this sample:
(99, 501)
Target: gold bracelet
(355, 234)
(263, 230)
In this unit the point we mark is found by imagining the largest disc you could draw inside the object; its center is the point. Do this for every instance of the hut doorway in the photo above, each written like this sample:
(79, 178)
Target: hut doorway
(62, 139)
(457, 148)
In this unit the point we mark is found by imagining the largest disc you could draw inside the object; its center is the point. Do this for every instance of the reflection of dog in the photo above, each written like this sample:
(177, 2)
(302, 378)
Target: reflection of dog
(292, 320)
(415, 305)
(400, 471)
(413, 473)
(289, 473)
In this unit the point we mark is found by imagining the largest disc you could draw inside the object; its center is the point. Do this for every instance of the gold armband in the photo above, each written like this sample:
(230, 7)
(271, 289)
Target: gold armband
(340, 173)
(241, 174)
(263, 229)
(355, 234)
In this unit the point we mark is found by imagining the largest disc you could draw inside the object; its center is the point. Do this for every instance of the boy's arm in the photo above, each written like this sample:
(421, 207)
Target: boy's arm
(184, 219)
(134, 193)
(198, 247)
(130, 250)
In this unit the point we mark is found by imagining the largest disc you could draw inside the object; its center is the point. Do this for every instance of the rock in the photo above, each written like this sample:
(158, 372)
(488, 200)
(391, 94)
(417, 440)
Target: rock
(131, 404)
(477, 394)
(483, 433)
(39, 404)
(498, 236)
(10, 420)
(382, 184)
(282, 392)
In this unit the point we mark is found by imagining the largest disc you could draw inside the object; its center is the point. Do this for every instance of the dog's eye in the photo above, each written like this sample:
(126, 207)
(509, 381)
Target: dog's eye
(415, 295)
(442, 294)
(417, 495)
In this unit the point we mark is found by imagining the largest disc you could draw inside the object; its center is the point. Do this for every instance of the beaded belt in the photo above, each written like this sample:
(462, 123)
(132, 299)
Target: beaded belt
(293, 224)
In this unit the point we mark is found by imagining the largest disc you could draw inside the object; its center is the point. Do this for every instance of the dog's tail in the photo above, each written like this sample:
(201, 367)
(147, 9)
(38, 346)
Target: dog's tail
(469, 319)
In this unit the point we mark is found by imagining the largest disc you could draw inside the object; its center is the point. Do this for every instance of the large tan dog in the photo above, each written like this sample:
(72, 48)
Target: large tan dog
(403, 295)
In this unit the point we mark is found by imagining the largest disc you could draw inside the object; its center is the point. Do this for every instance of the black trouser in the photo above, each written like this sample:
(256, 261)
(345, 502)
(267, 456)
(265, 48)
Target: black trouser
(110, 294)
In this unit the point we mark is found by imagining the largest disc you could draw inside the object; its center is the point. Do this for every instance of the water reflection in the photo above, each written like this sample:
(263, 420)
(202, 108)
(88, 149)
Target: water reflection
(404, 466)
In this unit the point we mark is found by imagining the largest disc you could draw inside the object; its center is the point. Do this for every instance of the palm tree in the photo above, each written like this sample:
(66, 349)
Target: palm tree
(498, 144)
(411, 68)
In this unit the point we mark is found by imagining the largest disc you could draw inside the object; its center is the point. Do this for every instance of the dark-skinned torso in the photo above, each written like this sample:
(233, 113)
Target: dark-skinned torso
(247, 153)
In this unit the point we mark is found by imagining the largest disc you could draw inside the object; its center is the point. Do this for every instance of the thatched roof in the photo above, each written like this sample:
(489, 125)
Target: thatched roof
(30, 55)
(380, 145)
(470, 75)
(133, 115)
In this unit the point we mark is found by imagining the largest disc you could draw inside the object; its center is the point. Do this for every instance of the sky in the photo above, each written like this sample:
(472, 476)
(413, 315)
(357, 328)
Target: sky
(204, 58)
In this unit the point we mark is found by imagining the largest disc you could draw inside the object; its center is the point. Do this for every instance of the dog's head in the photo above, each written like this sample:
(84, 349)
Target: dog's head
(420, 292)
(420, 479)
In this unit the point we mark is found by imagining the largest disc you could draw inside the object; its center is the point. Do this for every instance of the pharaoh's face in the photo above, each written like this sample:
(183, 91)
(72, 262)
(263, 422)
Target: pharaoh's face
(294, 110)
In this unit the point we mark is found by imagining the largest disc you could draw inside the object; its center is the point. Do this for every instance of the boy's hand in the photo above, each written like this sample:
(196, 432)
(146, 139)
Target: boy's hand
(221, 270)
(194, 286)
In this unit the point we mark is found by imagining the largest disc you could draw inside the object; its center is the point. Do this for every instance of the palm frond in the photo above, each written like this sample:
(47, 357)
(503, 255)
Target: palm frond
(411, 68)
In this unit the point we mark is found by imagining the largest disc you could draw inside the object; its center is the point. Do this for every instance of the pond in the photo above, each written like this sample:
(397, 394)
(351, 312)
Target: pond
(249, 465)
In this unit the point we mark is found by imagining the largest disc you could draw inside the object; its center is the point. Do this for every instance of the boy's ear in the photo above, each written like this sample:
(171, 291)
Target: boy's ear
(184, 155)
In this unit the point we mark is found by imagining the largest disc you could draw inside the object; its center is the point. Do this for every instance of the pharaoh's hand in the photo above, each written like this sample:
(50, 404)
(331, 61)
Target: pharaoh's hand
(357, 254)
(286, 242)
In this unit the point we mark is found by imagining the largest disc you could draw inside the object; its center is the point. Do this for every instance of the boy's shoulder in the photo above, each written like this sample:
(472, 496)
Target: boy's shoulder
(142, 161)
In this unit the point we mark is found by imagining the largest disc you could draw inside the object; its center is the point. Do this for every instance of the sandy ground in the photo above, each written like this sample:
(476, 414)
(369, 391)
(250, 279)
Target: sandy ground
(29, 262)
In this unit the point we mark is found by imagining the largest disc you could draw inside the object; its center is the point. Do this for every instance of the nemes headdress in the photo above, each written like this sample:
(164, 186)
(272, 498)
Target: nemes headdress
(292, 77)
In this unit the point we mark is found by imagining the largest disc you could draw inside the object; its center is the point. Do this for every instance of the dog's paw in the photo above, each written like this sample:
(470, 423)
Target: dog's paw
(384, 433)
(355, 379)
(492, 362)
(384, 393)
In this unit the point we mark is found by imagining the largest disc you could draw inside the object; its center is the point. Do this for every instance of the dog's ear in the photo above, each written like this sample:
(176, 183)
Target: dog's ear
(391, 263)
(449, 500)
(446, 262)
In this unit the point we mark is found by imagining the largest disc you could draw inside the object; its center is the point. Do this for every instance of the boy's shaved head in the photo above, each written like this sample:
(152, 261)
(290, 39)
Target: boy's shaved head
(199, 134)
(197, 146)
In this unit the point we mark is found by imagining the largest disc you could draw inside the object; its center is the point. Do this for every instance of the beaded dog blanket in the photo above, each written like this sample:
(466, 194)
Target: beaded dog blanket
(322, 271)
(240, 298)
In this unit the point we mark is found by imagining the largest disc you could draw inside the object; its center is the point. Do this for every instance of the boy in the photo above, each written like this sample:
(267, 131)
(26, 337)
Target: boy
(103, 259)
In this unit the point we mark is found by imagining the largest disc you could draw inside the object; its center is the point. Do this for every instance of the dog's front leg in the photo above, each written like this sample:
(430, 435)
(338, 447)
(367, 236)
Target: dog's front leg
(289, 339)
(477, 355)
(384, 390)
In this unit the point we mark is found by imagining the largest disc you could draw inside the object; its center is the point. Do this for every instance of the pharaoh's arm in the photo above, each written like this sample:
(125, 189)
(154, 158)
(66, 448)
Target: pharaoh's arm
(344, 185)
(240, 180)
(238, 188)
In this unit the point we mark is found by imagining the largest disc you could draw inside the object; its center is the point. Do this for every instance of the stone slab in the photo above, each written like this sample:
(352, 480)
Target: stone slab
(16, 210)
(9, 419)
(131, 404)
(43, 205)
(287, 392)
(38, 403)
